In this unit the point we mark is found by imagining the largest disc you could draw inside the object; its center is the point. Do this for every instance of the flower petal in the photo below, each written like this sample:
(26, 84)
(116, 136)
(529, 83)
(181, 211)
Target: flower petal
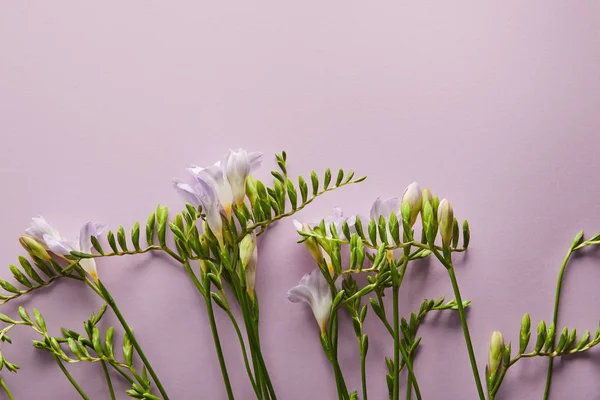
(255, 158)
(59, 246)
(187, 193)
(87, 231)
(39, 227)
(300, 293)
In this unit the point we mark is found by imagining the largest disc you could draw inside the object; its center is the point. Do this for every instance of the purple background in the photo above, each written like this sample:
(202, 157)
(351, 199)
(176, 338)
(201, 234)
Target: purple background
(494, 106)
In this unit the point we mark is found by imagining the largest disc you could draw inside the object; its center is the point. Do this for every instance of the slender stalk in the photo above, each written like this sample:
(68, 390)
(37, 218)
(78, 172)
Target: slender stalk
(111, 302)
(5, 388)
(465, 327)
(70, 378)
(111, 390)
(363, 373)
(244, 354)
(555, 318)
(396, 392)
(215, 333)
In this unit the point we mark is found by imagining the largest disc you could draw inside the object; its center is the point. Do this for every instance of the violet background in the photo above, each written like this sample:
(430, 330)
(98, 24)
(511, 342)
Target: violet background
(493, 105)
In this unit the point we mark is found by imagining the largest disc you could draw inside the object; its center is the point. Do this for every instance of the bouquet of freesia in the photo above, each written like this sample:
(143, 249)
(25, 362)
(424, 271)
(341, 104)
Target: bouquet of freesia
(359, 260)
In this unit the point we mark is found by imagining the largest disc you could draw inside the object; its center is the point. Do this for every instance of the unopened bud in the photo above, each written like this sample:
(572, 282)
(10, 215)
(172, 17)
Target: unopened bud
(496, 351)
(312, 245)
(247, 246)
(251, 191)
(445, 221)
(34, 247)
(413, 197)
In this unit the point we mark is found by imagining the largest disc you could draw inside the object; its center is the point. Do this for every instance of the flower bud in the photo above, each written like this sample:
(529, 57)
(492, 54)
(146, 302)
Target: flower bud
(413, 197)
(251, 191)
(445, 221)
(247, 246)
(34, 247)
(495, 353)
(311, 243)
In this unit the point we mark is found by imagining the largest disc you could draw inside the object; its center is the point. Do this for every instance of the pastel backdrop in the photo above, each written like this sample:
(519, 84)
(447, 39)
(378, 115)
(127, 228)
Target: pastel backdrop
(493, 105)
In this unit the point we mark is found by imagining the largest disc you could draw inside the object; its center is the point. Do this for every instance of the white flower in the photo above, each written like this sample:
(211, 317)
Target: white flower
(314, 290)
(413, 197)
(51, 239)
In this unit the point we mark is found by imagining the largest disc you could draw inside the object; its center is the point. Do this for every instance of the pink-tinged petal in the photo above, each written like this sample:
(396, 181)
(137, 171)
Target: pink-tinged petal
(187, 193)
(87, 231)
(59, 246)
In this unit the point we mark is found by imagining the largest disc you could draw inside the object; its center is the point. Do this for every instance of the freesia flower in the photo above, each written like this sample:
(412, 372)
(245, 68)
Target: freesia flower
(228, 177)
(51, 239)
(314, 290)
(337, 219)
(218, 186)
(413, 197)
(205, 195)
(249, 259)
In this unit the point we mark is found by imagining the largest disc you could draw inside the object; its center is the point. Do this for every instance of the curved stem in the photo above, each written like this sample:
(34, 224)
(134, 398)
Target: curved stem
(5, 388)
(215, 333)
(111, 302)
(108, 381)
(70, 378)
(465, 327)
(555, 318)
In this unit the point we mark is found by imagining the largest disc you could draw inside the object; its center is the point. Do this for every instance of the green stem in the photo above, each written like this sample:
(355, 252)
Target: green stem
(70, 378)
(409, 384)
(396, 392)
(555, 319)
(215, 334)
(465, 327)
(111, 302)
(108, 381)
(5, 388)
(244, 353)
(363, 373)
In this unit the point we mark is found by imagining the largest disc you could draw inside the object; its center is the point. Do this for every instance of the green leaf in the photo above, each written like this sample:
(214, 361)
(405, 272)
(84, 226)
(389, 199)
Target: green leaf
(96, 245)
(394, 228)
(24, 316)
(315, 183)
(39, 320)
(327, 179)
(339, 297)
(303, 189)
(349, 176)
(121, 239)
(340, 177)
(8, 287)
(150, 229)
(218, 301)
(373, 232)
(162, 214)
(466, 234)
(382, 228)
(293, 196)
(26, 265)
(111, 242)
(135, 236)
(455, 233)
